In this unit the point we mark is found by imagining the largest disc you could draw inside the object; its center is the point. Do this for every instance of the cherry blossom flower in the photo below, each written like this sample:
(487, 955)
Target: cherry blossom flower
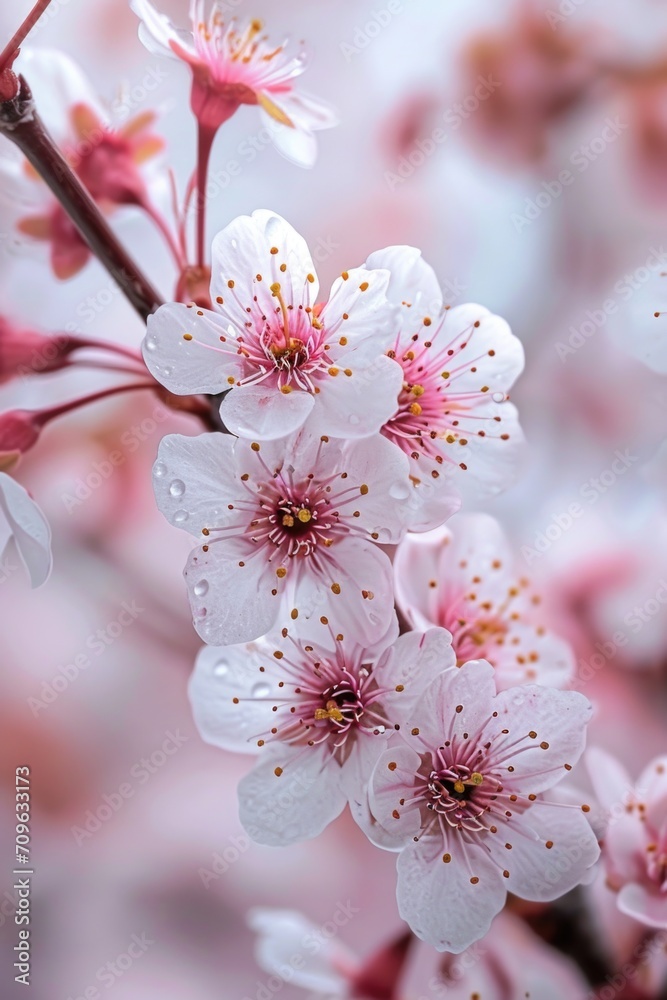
(635, 840)
(234, 65)
(287, 360)
(452, 419)
(511, 962)
(108, 161)
(328, 967)
(464, 803)
(539, 74)
(289, 524)
(318, 708)
(23, 521)
(463, 578)
(329, 970)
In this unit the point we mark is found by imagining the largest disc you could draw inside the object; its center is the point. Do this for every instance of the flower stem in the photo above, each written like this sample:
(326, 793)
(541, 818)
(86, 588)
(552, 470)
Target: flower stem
(205, 137)
(21, 124)
(11, 48)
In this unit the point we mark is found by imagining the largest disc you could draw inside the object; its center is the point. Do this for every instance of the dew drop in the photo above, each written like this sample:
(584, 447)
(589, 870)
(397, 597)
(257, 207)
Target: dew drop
(381, 730)
(160, 470)
(201, 588)
(260, 690)
(221, 668)
(374, 619)
(399, 491)
(518, 699)
(167, 370)
(499, 397)
(151, 345)
(177, 488)
(181, 516)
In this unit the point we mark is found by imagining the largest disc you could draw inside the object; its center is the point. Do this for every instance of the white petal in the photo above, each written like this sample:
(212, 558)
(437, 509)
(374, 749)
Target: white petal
(439, 901)
(194, 479)
(232, 603)
(611, 782)
(156, 27)
(29, 527)
(472, 686)
(646, 907)
(57, 84)
(359, 568)
(538, 872)
(393, 780)
(243, 250)
(383, 509)
(413, 286)
(298, 145)
(201, 364)
(371, 324)
(295, 805)
(558, 717)
(411, 664)
(281, 934)
(225, 673)
(357, 404)
(263, 413)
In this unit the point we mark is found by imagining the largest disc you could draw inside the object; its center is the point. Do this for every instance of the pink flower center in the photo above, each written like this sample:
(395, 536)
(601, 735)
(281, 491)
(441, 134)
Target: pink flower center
(458, 794)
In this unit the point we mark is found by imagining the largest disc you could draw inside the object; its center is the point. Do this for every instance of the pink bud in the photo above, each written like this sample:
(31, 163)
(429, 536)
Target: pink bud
(20, 430)
(26, 352)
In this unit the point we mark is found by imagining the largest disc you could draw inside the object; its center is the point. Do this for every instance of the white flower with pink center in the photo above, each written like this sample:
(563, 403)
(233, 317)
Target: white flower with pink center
(635, 840)
(288, 525)
(23, 522)
(318, 708)
(463, 578)
(453, 417)
(464, 803)
(286, 359)
(234, 64)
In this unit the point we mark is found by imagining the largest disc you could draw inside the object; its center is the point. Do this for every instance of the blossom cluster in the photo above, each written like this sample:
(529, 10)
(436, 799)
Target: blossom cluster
(371, 653)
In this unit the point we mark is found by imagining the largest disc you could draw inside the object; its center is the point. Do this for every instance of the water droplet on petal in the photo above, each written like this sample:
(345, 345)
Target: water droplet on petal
(221, 668)
(374, 619)
(499, 397)
(177, 488)
(160, 470)
(151, 345)
(399, 491)
(260, 691)
(518, 699)
(180, 516)
(167, 370)
(201, 588)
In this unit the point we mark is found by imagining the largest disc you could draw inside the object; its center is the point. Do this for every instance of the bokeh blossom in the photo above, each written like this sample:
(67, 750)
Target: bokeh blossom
(22, 522)
(464, 578)
(635, 835)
